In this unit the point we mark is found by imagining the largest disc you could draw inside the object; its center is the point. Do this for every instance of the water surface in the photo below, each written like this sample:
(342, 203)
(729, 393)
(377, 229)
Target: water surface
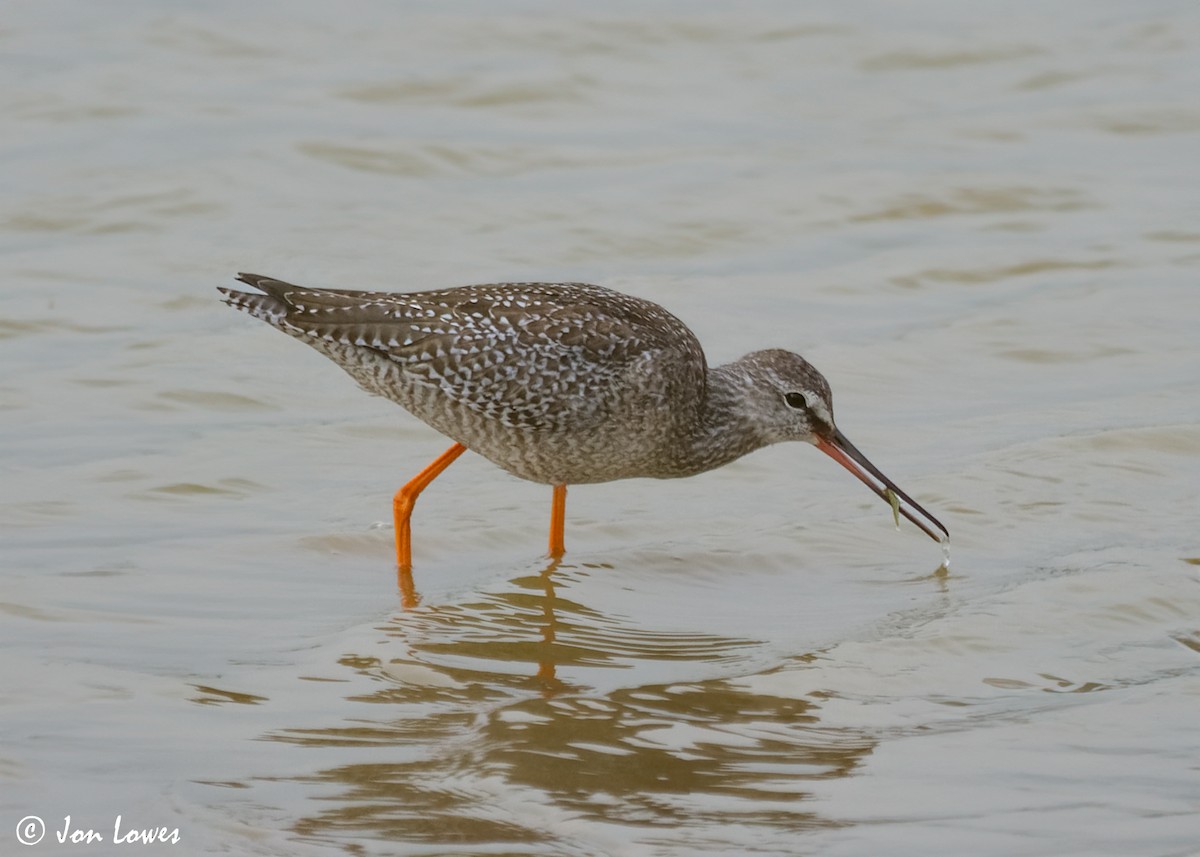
(978, 220)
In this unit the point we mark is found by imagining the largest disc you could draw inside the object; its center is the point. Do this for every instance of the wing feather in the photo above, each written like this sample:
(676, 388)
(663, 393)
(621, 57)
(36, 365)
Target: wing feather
(531, 355)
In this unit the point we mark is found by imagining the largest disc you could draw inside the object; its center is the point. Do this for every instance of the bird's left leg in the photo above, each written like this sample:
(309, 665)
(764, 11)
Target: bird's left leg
(406, 498)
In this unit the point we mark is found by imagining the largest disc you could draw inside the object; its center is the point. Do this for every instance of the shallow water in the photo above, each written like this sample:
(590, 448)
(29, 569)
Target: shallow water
(979, 221)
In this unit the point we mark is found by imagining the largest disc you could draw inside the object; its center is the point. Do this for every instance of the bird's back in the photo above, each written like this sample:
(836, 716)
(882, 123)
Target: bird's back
(555, 382)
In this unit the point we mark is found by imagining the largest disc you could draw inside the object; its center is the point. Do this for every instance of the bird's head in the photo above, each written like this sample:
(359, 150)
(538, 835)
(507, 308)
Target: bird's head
(792, 401)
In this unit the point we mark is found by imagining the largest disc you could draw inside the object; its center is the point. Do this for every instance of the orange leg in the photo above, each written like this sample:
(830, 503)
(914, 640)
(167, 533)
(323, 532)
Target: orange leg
(558, 517)
(406, 498)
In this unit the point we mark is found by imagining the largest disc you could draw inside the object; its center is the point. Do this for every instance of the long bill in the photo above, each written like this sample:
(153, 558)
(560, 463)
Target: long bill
(846, 454)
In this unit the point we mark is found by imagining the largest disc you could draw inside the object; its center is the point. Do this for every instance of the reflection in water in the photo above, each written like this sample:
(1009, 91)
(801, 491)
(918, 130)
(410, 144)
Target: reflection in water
(475, 738)
(530, 622)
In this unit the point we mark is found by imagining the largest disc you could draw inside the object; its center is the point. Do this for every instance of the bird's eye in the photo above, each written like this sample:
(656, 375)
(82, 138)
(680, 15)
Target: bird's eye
(796, 400)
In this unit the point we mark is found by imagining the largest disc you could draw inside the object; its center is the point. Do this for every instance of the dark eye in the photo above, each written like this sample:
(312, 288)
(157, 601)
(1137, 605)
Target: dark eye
(796, 400)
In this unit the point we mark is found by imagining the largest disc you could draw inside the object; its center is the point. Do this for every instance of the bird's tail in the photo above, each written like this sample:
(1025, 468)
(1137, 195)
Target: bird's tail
(271, 306)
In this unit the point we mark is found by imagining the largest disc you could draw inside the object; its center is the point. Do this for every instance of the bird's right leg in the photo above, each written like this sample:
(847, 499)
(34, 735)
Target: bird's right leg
(558, 517)
(406, 498)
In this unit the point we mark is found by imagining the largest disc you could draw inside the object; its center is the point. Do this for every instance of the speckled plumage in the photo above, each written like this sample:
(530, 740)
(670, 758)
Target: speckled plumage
(555, 382)
(563, 383)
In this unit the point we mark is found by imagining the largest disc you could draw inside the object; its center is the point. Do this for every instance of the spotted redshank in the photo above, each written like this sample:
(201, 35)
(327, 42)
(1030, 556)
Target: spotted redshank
(563, 383)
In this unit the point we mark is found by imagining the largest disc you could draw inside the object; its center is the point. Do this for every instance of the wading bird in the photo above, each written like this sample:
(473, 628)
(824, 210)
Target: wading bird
(563, 383)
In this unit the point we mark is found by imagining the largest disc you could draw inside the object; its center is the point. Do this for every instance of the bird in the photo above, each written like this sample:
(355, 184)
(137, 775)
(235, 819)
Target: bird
(563, 384)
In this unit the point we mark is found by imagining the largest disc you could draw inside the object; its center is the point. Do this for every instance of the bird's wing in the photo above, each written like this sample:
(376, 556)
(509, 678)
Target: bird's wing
(530, 355)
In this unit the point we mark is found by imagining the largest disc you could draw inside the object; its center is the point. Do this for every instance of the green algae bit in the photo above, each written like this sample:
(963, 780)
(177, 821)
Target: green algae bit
(895, 501)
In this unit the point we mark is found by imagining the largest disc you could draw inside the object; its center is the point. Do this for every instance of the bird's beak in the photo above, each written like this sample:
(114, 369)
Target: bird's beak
(846, 454)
